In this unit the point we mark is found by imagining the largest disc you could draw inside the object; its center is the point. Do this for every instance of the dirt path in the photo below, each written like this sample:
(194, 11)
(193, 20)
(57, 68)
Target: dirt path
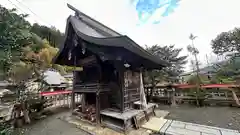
(224, 117)
(52, 125)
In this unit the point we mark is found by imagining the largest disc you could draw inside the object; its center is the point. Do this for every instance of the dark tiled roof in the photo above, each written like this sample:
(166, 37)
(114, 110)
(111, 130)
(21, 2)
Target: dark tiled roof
(94, 32)
(94, 24)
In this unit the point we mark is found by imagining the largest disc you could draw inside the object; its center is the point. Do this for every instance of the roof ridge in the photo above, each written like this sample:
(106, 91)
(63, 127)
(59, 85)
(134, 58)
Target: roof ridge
(94, 21)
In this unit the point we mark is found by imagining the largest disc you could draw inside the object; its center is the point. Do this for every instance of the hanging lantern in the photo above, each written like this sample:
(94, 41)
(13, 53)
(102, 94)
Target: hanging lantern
(70, 55)
(126, 65)
(83, 48)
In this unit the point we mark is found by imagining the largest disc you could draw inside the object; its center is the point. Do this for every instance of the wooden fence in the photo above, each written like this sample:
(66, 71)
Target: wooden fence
(61, 98)
(55, 99)
(220, 94)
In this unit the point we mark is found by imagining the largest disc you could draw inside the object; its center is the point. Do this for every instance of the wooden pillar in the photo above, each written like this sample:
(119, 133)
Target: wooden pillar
(121, 84)
(73, 91)
(73, 101)
(98, 100)
(98, 107)
(83, 101)
(120, 69)
(74, 78)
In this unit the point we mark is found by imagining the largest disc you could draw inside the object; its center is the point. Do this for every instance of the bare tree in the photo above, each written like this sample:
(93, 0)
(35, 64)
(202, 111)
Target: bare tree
(194, 51)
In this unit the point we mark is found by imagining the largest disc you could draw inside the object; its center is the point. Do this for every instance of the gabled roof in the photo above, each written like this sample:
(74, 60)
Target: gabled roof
(94, 32)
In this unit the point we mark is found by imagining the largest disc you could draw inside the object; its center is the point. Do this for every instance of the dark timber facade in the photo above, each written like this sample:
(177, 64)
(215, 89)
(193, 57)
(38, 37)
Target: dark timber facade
(110, 80)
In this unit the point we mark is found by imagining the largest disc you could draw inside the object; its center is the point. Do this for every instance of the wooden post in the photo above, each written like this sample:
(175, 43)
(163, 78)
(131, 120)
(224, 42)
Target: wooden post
(73, 100)
(74, 76)
(55, 100)
(73, 105)
(98, 100)
(83, 101)
(120, 70)
(64, 100)
(98, 107)
(67, 100)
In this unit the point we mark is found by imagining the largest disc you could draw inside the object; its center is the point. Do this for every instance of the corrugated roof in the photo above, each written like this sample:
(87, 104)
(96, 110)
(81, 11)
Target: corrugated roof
(53, 78)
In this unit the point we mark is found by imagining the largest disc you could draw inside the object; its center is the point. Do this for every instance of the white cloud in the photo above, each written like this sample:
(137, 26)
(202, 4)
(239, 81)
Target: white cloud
(204, 18)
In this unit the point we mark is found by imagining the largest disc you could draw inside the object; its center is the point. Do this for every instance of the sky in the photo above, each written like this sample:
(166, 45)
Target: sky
(204, 18)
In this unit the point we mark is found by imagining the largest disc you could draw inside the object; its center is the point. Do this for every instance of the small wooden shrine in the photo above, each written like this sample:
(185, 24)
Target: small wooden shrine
(111, 75)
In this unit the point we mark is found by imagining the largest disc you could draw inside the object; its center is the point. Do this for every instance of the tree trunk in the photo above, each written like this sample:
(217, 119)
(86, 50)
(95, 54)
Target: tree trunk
(25, 113)
(197, 95)
(17, 122)
(173, 102)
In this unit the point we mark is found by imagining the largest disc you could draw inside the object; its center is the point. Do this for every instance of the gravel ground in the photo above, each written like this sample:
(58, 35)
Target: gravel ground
(224, 117)
(52, 125)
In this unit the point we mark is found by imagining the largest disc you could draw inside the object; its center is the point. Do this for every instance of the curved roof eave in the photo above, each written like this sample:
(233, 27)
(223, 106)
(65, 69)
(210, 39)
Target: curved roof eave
(116, 41)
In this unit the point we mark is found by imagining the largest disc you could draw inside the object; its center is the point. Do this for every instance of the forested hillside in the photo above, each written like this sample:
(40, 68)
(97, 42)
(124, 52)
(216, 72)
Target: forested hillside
(24, 46)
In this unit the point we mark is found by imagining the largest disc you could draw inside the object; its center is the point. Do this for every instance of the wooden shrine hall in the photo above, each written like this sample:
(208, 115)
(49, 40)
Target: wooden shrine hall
(111, 79)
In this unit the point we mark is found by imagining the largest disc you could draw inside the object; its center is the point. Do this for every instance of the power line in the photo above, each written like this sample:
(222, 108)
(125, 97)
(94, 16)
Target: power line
(15, 6)
(49, 34)
(33, 13)
(18, 9)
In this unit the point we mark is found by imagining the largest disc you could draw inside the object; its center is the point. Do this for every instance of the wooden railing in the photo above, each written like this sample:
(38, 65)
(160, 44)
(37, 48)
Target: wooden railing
(93, 87)
(61, 98)
(51, 100)
(225, 94)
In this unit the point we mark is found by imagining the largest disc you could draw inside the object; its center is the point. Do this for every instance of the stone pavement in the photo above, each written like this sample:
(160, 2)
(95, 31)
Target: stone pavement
(173, 127)
(51, 125)
(166, 127)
